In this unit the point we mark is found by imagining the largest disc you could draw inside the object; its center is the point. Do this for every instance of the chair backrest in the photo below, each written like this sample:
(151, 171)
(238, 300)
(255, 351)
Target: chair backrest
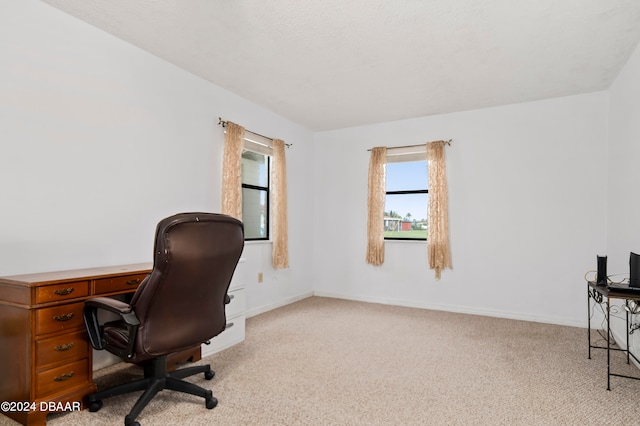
(182, 302)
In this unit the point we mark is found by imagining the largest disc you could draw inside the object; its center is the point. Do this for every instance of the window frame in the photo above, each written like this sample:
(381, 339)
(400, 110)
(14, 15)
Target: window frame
(402, 156)
(260, 145)
(267, 191)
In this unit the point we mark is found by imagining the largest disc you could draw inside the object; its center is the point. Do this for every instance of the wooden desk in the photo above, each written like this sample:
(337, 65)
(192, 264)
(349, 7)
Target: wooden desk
(45, 355)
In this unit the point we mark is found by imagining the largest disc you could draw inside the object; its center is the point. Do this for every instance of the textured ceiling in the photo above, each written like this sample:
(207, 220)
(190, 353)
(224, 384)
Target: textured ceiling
(339, 63)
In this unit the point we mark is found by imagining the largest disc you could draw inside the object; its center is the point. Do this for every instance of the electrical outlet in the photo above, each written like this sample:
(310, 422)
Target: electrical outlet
(259, 277)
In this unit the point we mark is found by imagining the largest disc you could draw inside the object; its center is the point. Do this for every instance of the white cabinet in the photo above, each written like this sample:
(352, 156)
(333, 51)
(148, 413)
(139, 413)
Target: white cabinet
(235, 313)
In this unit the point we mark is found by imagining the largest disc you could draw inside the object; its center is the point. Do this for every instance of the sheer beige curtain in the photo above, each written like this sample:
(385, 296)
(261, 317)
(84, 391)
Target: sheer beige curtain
(375, 220)
(438, 230)
(279, 206)
(232, 170)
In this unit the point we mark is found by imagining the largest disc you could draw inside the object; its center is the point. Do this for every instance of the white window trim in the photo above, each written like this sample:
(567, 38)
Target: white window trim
(407, 153)
(402, 155)
(258, 144)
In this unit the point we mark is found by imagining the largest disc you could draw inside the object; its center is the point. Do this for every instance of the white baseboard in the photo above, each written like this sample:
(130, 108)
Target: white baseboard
(266, 308)
(459, 309)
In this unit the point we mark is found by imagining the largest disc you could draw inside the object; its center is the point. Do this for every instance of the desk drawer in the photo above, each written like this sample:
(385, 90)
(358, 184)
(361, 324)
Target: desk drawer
(54, 293)
(59, 318)
(62, 378)
(237, 304)
(234, 333)
(110, 285)
(61, 348)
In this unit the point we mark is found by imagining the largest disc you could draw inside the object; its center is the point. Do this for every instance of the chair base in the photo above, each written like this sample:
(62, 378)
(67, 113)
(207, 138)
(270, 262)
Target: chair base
(156, 379)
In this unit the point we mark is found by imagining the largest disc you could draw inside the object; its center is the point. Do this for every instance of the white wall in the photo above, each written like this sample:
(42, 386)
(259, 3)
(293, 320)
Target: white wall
(100, 140)
(525, 224)
(623, 223)
(623, 203)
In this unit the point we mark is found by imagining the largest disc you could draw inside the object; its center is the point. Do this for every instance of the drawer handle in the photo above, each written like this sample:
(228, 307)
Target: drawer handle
(64, 291)
(133, 282)
(65, 317)
(229, 325)
(231, 296)
(64, 377)
(65, 347)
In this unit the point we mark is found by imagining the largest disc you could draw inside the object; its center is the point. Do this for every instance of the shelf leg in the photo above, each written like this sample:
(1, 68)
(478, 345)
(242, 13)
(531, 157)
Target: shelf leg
(608, 345)
(589, 320)
(627, 350)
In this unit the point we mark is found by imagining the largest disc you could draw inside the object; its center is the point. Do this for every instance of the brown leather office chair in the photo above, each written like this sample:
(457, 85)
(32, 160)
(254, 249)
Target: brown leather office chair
(181, 304)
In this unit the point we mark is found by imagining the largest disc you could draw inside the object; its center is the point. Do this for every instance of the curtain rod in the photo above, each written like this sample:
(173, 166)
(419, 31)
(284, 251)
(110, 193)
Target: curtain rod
(448, 143)
(223, 123)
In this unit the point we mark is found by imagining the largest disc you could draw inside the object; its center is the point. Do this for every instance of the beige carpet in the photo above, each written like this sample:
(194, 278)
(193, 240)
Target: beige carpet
(324, 361)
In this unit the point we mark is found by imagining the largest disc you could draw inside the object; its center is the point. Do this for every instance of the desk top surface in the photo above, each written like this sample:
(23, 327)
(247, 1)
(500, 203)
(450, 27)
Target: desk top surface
(75, 274)
(615, 294)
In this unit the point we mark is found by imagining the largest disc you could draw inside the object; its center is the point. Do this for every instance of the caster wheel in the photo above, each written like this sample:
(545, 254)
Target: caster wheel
(95, 406)
(211, 403)
(209, 375)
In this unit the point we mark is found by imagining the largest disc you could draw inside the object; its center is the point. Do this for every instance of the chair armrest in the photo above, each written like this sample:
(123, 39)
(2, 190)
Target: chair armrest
(113, 305)
(90, 315)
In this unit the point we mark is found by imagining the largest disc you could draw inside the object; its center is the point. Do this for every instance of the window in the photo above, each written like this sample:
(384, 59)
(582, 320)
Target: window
(255, 195)
(406, 201)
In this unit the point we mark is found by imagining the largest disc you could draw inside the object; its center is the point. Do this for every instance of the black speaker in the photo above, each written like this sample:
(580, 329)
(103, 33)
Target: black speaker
(634, 270)
(601, 278)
